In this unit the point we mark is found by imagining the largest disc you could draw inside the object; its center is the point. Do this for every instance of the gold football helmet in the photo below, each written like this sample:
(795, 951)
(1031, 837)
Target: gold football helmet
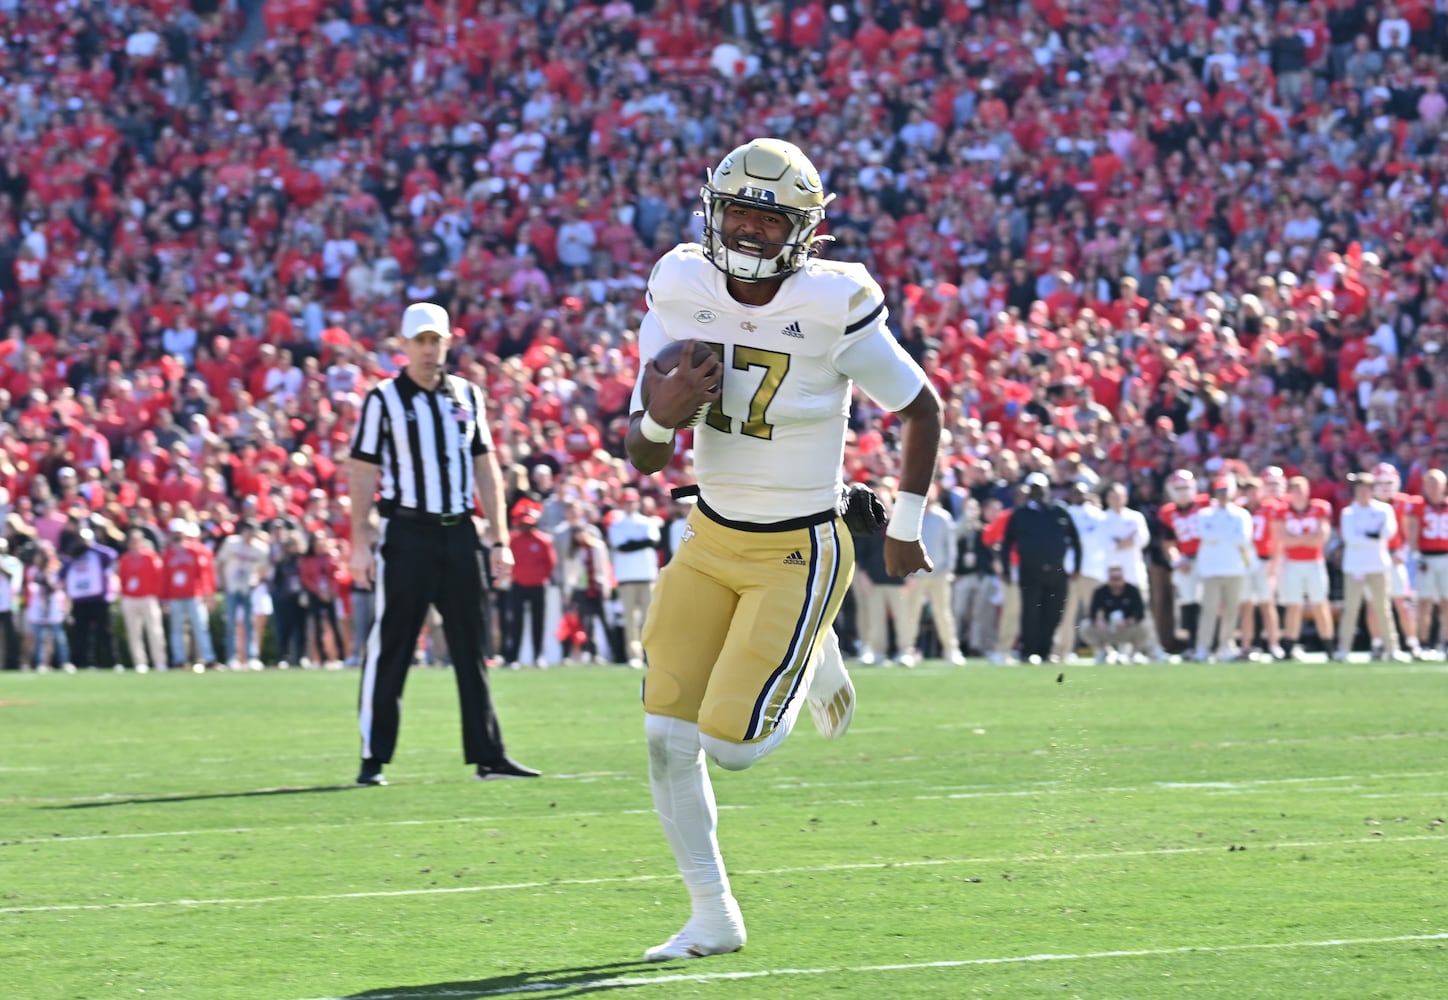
(770, 174)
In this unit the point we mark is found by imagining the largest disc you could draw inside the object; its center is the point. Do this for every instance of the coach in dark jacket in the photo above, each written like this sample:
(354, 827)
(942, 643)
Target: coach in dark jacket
(1041, 533)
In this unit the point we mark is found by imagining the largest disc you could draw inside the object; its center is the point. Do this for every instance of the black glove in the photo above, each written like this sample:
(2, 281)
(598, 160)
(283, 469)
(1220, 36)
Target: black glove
(863, 512)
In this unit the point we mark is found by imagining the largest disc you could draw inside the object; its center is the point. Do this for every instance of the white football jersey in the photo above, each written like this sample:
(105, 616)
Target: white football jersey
(773, 446)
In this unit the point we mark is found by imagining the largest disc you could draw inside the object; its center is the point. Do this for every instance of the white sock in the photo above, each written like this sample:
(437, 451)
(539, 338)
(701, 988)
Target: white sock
(684, 801)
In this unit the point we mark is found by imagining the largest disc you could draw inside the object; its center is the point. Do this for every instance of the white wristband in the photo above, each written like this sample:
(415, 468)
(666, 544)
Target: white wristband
(654, 431)
(907, 517)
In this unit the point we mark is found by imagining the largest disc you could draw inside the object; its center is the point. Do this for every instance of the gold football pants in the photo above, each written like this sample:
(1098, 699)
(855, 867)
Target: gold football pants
(736, 617)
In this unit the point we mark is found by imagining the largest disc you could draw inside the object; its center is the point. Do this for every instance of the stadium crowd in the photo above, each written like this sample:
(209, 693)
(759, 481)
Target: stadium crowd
(1123, 238)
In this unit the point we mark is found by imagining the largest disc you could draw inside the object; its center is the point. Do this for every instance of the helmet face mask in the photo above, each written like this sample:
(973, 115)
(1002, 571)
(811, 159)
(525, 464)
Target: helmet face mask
(772, 176)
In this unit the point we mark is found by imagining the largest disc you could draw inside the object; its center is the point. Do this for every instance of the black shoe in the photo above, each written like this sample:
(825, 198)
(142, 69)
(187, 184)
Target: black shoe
(371, 774)
(504, 768)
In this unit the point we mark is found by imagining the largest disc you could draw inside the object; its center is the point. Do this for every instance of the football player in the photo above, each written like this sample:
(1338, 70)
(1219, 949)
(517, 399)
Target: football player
(1259, 589)
(1430, 539)
(749, 597)
(1302, 534)
(1178, 517)
(1387, 487)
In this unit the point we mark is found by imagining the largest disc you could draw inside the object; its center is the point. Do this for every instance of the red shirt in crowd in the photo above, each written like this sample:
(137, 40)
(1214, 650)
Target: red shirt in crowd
(534, 557)
(190, 571)
(319, 574)
(143, 574)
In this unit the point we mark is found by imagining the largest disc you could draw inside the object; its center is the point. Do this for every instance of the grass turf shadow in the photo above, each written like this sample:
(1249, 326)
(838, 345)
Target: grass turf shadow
(145, 800)
(566, 982)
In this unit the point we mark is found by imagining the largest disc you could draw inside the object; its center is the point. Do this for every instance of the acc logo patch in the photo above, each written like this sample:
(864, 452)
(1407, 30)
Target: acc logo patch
(705, 316)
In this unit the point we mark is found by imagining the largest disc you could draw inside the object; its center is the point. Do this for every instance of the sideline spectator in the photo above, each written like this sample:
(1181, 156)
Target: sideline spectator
(142, 576)
(188, 589)
(1115, 625)
(241, 563)
(46, 609)
(634, 539)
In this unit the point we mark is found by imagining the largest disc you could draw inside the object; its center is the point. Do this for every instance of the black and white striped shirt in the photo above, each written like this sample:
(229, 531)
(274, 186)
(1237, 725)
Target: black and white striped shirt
(424, 442)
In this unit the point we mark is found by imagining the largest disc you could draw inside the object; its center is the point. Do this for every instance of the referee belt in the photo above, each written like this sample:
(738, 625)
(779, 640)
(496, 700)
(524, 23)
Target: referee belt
(420, 516)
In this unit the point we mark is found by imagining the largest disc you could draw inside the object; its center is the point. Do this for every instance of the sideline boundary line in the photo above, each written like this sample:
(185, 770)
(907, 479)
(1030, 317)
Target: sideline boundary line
(757, 872)
(614, 982)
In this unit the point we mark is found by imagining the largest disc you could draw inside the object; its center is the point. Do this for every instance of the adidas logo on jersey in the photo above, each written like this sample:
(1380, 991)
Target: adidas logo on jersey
(793, 330)
(795, 559)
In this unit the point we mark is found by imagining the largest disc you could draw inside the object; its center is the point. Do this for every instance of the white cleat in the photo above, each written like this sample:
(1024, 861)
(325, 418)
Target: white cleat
(831, 696)
(696, 941)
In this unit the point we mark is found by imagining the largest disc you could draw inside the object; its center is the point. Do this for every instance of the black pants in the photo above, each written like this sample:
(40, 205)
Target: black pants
(323, 616)
(9, 642)
(90, 644)
(290, 620)
(589, 608)
(1043, 599)
(523, 601)
(421, 565)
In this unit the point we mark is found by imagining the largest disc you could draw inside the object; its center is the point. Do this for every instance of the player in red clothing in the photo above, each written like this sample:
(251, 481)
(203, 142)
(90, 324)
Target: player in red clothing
(1302, 532)
(1430, 538)
(1259, 591)
(1178, 517)
(1388, 488)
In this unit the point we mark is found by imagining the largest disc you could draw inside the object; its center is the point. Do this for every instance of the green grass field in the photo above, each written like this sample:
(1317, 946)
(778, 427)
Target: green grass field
(1169, 831)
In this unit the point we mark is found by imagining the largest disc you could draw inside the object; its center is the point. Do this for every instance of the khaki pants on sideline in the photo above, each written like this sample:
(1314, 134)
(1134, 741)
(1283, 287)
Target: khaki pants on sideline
(1138, 636)
(1373, 586)
(142, 618)
(1221, 597)
(936, 591)
(875, 605)
(974, 610)
(635, 597)
(1010, 623)
(1078, 603)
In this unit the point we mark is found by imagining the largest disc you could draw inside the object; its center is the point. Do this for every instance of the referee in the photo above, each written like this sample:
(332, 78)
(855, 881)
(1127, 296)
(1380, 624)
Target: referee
(1040, 533)
(422, 449)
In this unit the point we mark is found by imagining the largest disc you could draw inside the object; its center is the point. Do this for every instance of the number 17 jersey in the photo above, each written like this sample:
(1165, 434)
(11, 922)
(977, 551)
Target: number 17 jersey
(772, 447)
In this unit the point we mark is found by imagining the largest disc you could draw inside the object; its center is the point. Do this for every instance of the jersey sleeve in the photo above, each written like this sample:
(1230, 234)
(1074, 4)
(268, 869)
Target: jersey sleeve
(652, 339)
(868, 352)
(482, 438)
(675, 275)
(367, 441)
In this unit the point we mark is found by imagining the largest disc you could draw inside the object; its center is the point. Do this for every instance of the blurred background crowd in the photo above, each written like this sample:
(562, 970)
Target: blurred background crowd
(1123, 237)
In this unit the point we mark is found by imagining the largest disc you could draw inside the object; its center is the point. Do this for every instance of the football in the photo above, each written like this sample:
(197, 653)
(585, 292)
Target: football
(668, 359)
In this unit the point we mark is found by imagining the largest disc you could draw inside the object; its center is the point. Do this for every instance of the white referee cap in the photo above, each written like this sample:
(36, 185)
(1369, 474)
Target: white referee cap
(425, 317)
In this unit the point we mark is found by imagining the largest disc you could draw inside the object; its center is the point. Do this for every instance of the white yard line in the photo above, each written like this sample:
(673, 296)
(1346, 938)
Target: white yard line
(760, 872)
(1031, 789)
(574, 986)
